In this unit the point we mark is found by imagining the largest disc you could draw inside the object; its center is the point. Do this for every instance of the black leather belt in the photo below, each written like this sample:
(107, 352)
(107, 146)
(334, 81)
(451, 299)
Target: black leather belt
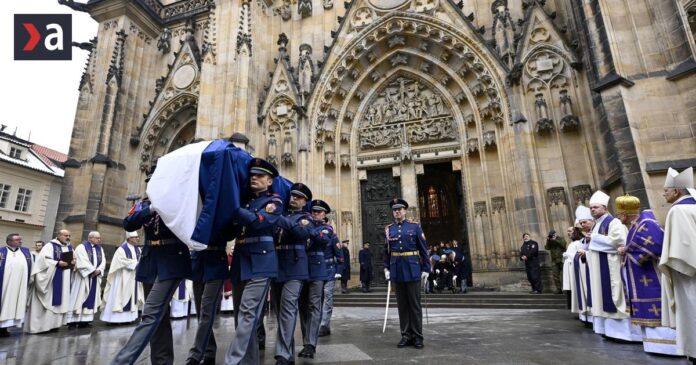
(216, 248)
(164, 241)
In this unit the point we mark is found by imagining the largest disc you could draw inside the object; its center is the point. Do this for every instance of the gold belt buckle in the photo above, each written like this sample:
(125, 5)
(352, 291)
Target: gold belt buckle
(155, 243)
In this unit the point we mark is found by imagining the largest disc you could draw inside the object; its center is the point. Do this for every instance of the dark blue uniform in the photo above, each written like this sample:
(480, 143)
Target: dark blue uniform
(406, 257)
(292, 237)
(321, 236)
(165, 261)
(293, 234)
(254, 264)
(406, 252)
(254, 252)
(333, 256)
(164, 256)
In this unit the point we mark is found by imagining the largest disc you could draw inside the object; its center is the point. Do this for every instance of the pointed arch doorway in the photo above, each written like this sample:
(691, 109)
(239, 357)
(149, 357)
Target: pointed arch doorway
(442, 207)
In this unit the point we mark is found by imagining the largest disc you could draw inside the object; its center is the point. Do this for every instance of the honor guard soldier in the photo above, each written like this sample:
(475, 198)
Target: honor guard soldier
(333, 256)
(310, 299)
(254, 263)
(406, 264)
(293, 233)
(209, 273)
(165, 261)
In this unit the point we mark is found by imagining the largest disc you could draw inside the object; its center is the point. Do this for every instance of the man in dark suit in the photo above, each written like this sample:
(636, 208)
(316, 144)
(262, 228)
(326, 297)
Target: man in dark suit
(529, 253)
(365, 259)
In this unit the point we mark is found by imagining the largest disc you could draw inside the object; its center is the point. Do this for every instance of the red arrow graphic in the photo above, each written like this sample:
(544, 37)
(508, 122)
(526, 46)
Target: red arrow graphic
(34, 37)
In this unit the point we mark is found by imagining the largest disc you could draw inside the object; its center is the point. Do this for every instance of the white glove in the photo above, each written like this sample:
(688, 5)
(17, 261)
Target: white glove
(437, 271)
(565, 256)
(337, 276)
(424, 276)
(386, 274)
(454, 279)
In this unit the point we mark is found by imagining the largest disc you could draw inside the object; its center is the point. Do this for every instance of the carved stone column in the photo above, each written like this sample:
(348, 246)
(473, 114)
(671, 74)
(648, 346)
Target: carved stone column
(481, 229)
(498, 218)
(558, 209)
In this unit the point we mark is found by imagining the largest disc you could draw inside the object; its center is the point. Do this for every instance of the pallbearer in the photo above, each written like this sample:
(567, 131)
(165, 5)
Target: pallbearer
(406, 263)
(310, 298)
(254, 263)
(292, 236)
(123, 295)
(164, 263)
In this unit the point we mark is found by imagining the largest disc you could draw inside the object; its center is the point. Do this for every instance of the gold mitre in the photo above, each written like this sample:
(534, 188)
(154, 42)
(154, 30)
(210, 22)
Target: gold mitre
(627, 204)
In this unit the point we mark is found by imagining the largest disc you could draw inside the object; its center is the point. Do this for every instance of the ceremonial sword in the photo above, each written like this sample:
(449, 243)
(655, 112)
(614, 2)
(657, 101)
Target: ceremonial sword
(386, 310)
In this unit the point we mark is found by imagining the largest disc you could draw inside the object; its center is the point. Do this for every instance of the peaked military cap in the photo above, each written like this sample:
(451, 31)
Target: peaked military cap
(320, 205)
(260, 166)
(301, 190)
(397, 203)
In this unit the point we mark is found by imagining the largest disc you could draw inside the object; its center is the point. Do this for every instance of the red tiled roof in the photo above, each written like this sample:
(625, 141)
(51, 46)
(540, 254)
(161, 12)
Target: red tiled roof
(49, 156)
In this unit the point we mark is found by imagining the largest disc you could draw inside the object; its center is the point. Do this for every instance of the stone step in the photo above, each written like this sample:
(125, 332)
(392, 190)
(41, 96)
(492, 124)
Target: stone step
(392, 304)
(471, 300)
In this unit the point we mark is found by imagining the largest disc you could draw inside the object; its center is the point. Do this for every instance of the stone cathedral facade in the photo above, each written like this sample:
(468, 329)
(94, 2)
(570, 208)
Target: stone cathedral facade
(492, 118)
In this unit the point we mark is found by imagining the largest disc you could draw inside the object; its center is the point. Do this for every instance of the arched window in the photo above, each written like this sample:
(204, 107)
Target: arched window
(433, 203)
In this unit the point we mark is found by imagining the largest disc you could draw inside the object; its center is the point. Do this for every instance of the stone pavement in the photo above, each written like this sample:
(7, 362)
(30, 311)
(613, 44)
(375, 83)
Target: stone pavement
(452, 336)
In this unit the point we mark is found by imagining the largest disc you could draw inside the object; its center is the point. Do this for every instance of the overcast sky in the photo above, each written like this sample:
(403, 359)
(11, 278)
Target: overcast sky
(40, 97)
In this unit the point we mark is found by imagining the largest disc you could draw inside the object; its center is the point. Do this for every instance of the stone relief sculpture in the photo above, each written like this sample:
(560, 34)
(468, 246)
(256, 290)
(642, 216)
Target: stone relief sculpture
(304, 8)
(405, 111)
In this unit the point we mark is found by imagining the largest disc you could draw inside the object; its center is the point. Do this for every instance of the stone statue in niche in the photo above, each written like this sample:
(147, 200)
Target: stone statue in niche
(306, 70)
(569, 120)
(503, 32)
(304, 8)
(165, 41)
(287, 149)
(328, 4)
(541, 107)
(544, 124)
(272, 150)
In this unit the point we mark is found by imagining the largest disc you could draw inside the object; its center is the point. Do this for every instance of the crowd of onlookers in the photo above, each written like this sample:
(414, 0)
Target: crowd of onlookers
(450, 268)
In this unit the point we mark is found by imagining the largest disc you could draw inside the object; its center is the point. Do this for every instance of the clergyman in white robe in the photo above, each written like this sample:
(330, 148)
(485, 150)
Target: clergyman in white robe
(15, 267)
(181, 298)
(123, 295)
(577, 267)
(85, 292)
(610, 315)
(678, 260)
(51, 296)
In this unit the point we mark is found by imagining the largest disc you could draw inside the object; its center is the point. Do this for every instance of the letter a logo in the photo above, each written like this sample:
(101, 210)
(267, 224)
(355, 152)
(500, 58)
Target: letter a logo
(42, 37)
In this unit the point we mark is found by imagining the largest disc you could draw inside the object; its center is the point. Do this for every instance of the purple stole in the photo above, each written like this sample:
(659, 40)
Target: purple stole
(605, 277)
(89, 303)
(124, 246)
(182, 290)
(576, 268)
(58, 276)
(688, 201)
(643, 292)
(3, 260)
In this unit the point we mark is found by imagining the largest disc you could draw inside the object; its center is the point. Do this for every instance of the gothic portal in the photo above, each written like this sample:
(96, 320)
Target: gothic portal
(491, 118)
